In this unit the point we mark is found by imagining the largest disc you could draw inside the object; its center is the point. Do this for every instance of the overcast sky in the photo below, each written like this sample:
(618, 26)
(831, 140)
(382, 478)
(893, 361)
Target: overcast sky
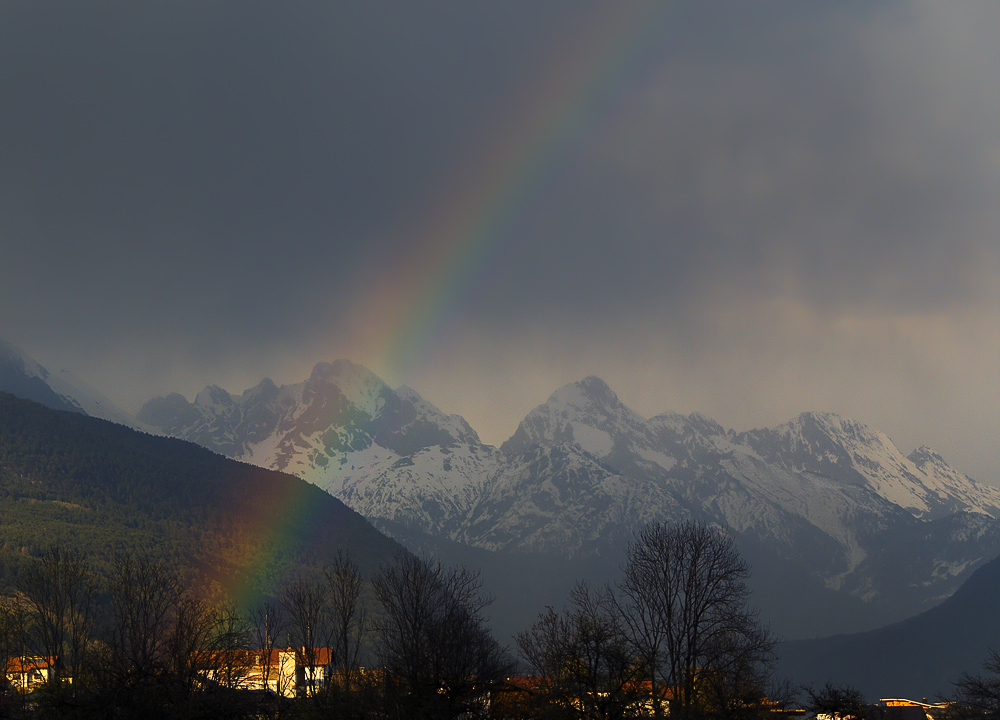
(749, 210)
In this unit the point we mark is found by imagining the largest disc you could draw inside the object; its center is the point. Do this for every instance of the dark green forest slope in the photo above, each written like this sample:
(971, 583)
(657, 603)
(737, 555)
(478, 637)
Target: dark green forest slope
(231, 529)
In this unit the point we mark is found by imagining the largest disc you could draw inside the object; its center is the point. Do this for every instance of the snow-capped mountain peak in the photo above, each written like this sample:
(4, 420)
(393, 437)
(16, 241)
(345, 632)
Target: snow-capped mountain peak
(356, 384)
(952, 488)
(924, 456)
(590, 398)
(212, 396)
(587, 413)
(705, 425)
(263, 391)
(405, 392)
(850, 452)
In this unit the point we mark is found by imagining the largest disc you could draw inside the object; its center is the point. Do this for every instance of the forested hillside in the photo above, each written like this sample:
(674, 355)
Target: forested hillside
(919, 657)
(230, 528)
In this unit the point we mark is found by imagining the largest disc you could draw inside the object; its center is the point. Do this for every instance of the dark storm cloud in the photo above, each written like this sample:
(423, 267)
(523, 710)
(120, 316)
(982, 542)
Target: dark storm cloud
(766, 209)
(782, 159)
(232, 153)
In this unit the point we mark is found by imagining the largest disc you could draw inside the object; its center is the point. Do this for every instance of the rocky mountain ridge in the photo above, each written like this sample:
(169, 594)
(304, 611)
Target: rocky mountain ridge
(583, 472)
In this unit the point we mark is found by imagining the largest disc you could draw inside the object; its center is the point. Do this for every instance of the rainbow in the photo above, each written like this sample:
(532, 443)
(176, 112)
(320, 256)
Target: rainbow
(407, 308)
(275, 519)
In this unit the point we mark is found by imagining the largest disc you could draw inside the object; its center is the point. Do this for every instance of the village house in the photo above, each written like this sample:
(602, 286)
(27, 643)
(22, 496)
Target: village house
(287, 672)
(29, 672)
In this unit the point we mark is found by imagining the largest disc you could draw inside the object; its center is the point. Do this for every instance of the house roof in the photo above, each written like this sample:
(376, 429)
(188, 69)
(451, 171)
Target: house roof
(29, 663)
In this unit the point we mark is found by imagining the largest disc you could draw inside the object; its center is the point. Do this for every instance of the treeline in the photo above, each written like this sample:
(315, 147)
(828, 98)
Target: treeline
(162, 652)
(675, 636)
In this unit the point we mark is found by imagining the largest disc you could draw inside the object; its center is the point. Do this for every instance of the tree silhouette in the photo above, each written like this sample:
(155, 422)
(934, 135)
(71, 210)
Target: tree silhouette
(58, 590)
(433, 640)
(979, 695)
(348, 617)
(582, 659)
(304, 603)
(686, 605)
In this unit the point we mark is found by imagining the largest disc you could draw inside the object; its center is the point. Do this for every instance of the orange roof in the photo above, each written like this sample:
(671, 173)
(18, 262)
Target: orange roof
(29, 663)
(320, 656)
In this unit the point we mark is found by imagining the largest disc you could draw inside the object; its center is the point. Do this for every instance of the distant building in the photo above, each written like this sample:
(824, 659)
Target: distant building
(903, 709)
(288, 672)
(29, 671)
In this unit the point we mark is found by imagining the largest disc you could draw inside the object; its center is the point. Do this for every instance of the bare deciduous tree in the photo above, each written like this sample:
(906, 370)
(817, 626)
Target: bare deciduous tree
(227, 650)
(979, 695)
(304, 603)
(13, 642)
(433, 640)
(145, 602)
(583, 659)
(267, 626)
(686, 601)
(348, 616)
(189, 646)
(58, 590)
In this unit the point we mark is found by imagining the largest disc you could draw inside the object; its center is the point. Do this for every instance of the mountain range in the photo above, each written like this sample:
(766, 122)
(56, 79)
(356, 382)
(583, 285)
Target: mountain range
(845, 531)
(822, 496)
(101, 487)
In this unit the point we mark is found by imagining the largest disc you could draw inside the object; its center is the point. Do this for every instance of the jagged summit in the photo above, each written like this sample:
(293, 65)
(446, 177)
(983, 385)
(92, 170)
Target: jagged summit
(924, 455)
(388, 453)
(704, 424)
(597, 391)
(852, 453)
(342, 371)
(828, 423)
(264, 391)
(213, 395)
(587, 413)
(590, 395)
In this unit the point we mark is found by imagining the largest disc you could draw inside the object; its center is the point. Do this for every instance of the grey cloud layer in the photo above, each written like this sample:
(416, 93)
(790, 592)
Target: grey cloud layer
(773, 208)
